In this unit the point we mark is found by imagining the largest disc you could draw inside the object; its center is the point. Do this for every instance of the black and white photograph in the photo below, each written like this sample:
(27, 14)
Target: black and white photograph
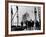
(25, 18)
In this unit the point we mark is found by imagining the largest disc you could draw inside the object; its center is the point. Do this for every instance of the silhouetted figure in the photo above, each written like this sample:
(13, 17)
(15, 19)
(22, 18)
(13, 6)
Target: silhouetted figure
(32, 24)
(37, 25)
(22, 24)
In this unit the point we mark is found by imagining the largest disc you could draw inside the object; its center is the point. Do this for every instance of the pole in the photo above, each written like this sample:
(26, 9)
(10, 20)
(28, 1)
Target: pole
(35, 12)
(17, 16)
(11, 15)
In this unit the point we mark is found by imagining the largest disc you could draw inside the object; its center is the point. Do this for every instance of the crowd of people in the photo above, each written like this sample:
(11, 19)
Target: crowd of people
(29, 24)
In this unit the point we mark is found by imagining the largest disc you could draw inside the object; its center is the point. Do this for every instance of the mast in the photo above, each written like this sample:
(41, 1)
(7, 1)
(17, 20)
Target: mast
(11, 15)
(17, 16)
(35, 12)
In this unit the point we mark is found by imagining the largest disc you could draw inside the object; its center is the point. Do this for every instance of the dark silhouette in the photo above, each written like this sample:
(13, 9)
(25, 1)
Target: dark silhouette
(28, 24)
(32, 23)
(37, 25)
(21, 23)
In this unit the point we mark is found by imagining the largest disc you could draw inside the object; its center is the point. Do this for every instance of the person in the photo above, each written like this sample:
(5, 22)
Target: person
(32, 23)
(37, 25)
(21, 23)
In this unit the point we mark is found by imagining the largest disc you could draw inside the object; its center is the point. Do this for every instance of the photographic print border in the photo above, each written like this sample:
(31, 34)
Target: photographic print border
(6, 17)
